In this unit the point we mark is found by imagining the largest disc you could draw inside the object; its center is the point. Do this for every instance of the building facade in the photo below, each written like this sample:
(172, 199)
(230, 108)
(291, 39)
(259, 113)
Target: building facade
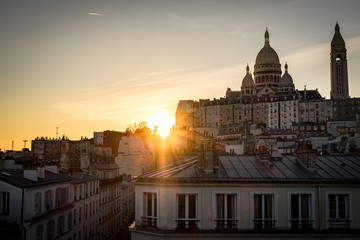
(49, 204)
(303, 197)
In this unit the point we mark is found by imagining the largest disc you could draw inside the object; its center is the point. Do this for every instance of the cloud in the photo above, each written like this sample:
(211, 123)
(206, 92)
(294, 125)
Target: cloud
(138, 99)
(94, 14)
(135, 99)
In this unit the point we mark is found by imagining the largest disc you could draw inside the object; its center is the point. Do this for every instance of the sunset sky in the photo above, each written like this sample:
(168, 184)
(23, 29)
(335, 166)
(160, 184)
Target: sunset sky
(94, 65)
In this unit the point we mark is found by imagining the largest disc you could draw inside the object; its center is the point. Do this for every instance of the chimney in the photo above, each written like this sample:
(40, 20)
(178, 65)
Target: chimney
(75, 172)
(52, 168)
(31, 174)
(307, 156)
(207, 157)
(41, 172)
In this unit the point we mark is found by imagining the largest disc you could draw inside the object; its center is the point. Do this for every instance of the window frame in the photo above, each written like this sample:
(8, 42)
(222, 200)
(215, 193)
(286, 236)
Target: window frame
(142, 202)
(197, 202)
(275, 207)
(349, 210)
(5, 203)
(312, 202)
(214, 205)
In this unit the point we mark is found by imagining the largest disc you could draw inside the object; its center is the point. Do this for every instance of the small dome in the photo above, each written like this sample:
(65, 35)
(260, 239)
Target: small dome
(286, 78)
(248, 81)
(267, 54)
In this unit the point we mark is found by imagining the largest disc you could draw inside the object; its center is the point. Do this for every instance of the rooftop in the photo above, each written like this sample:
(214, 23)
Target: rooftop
(15, 177)
(248, 168)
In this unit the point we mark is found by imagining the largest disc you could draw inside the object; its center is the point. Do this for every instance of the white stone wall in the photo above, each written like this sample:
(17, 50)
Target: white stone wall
(167, 202)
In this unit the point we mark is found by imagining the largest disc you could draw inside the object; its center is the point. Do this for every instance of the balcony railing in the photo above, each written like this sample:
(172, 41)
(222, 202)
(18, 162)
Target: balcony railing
(301, 224)
(149, 222)
(226, 224)
(187, 225)
(339, 223)
(264, 224)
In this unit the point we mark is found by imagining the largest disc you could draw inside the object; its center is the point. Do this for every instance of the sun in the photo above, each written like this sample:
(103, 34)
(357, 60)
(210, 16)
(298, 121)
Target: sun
(163, 121)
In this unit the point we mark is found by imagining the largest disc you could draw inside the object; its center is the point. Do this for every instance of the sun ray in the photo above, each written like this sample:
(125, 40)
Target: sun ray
(163, 121)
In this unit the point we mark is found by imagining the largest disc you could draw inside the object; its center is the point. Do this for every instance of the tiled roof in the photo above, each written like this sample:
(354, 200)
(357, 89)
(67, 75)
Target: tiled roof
(249, 168)
(310, 94)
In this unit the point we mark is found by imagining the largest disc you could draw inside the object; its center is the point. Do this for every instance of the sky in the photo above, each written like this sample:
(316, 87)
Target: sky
(95, 65)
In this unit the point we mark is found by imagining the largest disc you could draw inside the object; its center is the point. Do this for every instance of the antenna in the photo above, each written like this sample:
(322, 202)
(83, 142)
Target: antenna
(12, 145)
(57, 132)
(25, 142)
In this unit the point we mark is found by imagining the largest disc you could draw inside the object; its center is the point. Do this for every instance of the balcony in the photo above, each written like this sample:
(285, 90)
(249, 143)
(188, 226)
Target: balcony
(228, 224)
(339, 223)
(264, 224)
(149, 222)
(190, 225)
(301, 224)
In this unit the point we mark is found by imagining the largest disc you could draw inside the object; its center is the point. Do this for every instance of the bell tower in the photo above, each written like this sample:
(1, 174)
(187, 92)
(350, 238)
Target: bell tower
(338, 67)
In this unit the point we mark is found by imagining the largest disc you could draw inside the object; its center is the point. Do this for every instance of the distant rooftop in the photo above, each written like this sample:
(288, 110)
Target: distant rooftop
(15, 177)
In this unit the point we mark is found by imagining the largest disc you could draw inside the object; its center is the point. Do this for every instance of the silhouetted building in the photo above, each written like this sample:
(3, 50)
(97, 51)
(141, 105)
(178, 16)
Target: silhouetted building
(338, 67)
(271, 99)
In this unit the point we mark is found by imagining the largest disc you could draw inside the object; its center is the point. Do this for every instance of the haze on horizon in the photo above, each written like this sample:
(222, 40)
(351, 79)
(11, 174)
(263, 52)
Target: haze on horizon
(89, 65)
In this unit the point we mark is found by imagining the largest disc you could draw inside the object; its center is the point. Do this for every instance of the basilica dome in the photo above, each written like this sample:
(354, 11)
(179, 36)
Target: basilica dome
(267, 68)
(286, 78)
(247, 81)
(267, 54)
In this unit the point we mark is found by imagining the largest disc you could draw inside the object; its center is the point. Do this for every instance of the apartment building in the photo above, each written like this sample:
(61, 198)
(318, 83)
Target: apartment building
(300, 196)
(49, 204)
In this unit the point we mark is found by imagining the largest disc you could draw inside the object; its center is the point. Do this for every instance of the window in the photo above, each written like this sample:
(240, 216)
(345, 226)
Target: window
(48, 200)
(226, 211)
(264, 210)
(149, 218)
(186, 211)
(75, 216)
(69, 221)
(301, 211)
(37, 203)
(50, 229)
(39, 232)
(61, 196)
(60, 225)
(339, 210)
(5, 198)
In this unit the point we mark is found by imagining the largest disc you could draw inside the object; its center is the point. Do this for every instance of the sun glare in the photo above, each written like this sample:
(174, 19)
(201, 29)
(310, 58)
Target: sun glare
(163, 121)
